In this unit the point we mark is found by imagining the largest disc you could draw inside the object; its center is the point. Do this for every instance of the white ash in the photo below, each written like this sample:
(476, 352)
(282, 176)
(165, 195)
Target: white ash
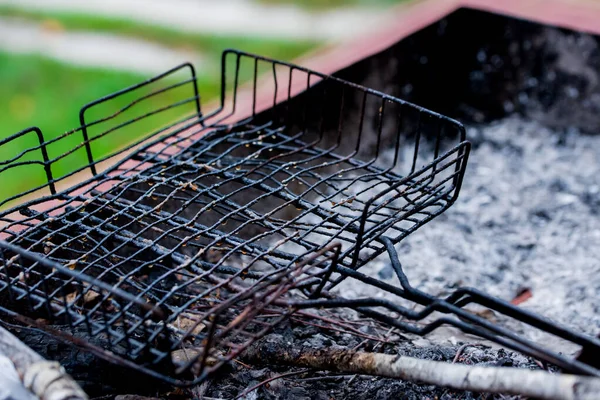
(528, 217)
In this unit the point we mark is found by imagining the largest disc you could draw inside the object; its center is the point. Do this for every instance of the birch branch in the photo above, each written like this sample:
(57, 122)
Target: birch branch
(514, 381)
(45, 379)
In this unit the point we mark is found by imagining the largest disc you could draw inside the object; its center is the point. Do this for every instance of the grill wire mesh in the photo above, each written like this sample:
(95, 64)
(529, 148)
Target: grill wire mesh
(186, 246)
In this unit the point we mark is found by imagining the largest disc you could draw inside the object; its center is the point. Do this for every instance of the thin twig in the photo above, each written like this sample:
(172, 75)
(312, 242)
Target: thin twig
(541, 364)
(321, 378)
(243, 364)
(343, 324)
(245, 392)
(358, 346)
(385, 337)
(353, 378)
(460, 350)
(331, 328)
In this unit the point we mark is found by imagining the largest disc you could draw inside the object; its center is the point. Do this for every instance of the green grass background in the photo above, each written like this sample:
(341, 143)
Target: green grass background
(41, 92)
(37, 91)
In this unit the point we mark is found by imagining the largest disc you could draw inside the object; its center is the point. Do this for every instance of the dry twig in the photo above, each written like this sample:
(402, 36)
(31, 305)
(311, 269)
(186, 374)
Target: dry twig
(273, 378)
(537, 384)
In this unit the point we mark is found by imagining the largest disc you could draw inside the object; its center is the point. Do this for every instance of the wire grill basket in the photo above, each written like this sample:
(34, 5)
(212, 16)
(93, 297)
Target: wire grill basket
(170, 248)
(174, 251)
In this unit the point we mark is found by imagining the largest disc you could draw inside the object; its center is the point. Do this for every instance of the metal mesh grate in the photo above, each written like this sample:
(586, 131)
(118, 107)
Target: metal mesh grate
(182, 248)
(172, 252)
(178, 326)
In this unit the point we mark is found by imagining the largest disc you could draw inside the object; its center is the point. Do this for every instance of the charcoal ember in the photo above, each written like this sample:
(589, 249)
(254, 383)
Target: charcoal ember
(591, 197)
(318, 341)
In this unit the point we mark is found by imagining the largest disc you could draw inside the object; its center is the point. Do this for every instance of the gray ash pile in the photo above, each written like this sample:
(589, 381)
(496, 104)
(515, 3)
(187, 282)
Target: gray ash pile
(526, 222)
(525, 229)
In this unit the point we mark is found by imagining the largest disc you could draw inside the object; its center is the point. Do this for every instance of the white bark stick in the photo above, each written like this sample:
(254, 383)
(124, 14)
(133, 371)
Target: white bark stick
(45, 379)
(11, 387)
(515, 381)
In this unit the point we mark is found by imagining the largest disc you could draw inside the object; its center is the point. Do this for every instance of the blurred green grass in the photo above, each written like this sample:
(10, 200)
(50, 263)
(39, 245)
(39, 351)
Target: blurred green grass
(36, 91)
(210, 46)
(41, 92)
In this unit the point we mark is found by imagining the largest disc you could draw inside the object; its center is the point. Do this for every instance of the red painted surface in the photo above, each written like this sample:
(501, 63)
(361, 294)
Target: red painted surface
(403, 21)
(406, 19)
(582, 15)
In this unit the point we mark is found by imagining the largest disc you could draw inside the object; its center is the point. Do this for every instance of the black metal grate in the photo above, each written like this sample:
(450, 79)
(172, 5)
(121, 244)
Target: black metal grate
(205, 222)
(179, 326)
(177, 243)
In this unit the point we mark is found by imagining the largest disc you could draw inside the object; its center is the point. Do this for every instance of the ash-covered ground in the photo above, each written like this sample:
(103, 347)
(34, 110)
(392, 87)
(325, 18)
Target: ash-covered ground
(307, 384)
(527, 218)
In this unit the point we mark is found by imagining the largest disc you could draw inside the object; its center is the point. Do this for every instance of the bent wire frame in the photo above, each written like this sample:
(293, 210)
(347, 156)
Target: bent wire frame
(168, 250)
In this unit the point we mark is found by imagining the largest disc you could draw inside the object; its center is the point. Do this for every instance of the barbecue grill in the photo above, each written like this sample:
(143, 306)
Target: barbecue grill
(170, 251)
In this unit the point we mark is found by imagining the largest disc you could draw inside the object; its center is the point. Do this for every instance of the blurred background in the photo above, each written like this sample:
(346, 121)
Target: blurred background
(57, 55)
